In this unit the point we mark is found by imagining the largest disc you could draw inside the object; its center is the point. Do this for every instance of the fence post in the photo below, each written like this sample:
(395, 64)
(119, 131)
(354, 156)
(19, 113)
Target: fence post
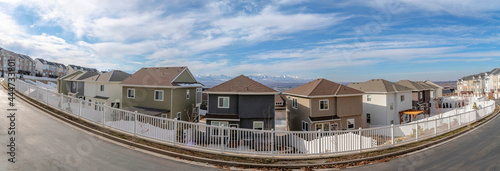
(103, 106)
(435, 126)
(135, 123)
(79, 108)
(416, 130)
(459, 120)
(221, 140)
(272, 143)
(60, 101)
(175, 131)
(449, 122)
(392, 133)
(360, 140)
(336, 142)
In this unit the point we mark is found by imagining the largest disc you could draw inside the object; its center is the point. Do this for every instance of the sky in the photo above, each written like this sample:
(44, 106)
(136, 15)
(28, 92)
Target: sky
(354, 40)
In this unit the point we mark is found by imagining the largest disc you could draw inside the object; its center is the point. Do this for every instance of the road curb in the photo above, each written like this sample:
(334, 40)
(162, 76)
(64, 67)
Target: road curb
(241, 164)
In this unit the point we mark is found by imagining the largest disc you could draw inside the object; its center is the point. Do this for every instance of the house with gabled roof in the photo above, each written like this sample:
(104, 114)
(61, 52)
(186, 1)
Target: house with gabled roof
(324, 105)
(242, 103)
(168, 92)
(383, 101)
(73, 84)
(105, 88)
(421, 94)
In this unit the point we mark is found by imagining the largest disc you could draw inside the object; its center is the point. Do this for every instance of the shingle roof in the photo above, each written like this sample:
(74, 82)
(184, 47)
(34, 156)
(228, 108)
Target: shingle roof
(155, 76)
(323, 87)
(378, 85)
(82, 76)
(415, 85)
(242, 84)
(115, 75)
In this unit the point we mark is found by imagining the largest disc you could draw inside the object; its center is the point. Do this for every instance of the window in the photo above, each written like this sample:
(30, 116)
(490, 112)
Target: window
(392, 122)
(392, 106)
(187, 94)
(350, 123)
(198, 90)
(115, 105)
(258, 125)
(131, 93)
(368, 118)
(323, 126)
(74, 85)
(158, 95)
(402, 98)
(215, 131)
(179, 116)
(369, 98)
(102, 87)
(223, 102)
(164, 116)
(305, 126)
(420, 95)
(334, 126)
(323, 105)
(294, 103)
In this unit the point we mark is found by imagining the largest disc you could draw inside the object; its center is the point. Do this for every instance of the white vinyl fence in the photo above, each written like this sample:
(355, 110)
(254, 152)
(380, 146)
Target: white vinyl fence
(261, 143)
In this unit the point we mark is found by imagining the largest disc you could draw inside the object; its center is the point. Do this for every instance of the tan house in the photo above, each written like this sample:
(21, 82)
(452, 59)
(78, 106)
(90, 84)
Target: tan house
(169, 92)
(323, 104)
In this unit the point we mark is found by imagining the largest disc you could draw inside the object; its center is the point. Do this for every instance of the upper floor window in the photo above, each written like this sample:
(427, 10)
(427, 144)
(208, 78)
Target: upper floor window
(130, 93)
(402, 98)
(102, 87)
(369, 98)
(187, 94)
(294, 103)
(223, 102)
(323, 105)
(158, 95)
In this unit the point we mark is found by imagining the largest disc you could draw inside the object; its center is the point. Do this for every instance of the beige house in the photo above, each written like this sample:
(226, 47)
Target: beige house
(105, 88)
(323, 104)
(169, 92)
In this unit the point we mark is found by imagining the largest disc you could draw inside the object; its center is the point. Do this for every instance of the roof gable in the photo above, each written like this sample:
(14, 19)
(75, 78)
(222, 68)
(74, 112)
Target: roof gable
(379, 85)
(185, 77)
(323, 87)
(241, 84)
(155, 76)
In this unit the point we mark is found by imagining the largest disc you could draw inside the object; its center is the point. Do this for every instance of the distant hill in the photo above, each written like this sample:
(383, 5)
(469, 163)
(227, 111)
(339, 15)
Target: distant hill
(282, 82)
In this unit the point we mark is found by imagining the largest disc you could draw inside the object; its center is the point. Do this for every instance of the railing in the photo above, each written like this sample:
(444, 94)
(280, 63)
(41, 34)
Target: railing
(39, 78)
(256, 143)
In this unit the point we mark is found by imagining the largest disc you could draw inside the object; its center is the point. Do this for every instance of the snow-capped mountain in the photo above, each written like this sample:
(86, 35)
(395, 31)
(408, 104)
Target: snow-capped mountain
(211, 80)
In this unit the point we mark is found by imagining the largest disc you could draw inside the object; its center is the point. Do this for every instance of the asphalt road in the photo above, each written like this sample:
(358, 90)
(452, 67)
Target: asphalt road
(477, 150)
(44, 143)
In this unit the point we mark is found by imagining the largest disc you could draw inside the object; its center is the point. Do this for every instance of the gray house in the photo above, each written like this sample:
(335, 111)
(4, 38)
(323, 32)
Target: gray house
(241, 102)
(74, 83)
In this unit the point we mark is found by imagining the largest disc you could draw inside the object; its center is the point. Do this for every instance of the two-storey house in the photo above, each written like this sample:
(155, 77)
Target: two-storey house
(168, 92)
(242, 103)
(383, 101)
(105, 88)
(323, 104)
(421, 95)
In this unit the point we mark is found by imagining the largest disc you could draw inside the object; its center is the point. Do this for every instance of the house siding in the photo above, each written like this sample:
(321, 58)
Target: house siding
(214, 108)
(256, 106)
(318, 113)
(144, 97)
(183, 105)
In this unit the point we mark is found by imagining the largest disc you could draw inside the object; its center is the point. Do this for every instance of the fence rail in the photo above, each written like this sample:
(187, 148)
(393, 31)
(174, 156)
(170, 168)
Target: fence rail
(259, 143)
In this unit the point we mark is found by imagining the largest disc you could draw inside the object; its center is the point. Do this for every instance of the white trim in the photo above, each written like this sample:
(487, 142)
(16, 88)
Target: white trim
(162, 95)
(353, 123)
(188, 95)
(307, 126)
(297, 103)
(128, 94)
(216, 119)
(324, 120)
(173, 80)
(327, 104)
(254, 122)
(223, 97)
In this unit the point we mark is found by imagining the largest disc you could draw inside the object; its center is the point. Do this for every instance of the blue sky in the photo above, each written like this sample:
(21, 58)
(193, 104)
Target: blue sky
(353, 40)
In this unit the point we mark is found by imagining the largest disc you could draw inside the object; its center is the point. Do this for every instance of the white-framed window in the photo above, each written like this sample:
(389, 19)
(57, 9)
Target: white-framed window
(215, 131)
(199, 90)
(305, 126)
(334, 126)
(350, 123)
(158, 95)
(258, 125)
(369, 98)
(164, 116)
(223, 102)
(187, 94)
(102, 87)
(392, 106)
(323, 126)
(402, 98)
(323, 104)
(74, 85)
(368, 118)
(419, 95)
(179, 115)
(294, 103)
(131, 93)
